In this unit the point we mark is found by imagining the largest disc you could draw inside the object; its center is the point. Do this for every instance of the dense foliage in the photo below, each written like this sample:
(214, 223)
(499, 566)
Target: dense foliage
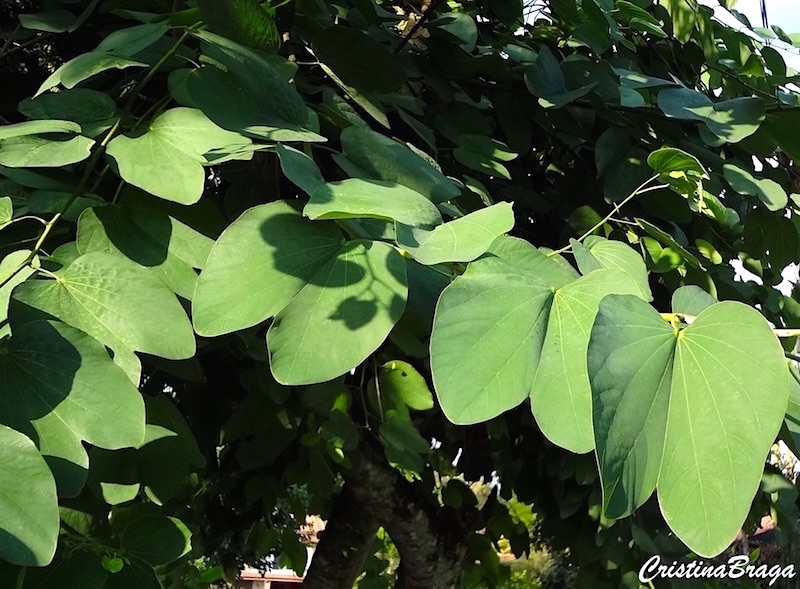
(346, 258)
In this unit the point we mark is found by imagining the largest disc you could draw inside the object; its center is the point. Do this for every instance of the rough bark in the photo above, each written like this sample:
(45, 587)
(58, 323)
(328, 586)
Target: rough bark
(431, 540)
(344, 545)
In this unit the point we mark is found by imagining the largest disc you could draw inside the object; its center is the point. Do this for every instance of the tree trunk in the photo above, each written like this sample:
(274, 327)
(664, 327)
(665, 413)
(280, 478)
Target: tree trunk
(431, 540)
(343, 546)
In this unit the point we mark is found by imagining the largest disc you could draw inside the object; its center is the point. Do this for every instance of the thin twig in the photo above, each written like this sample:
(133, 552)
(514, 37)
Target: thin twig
(639, 190)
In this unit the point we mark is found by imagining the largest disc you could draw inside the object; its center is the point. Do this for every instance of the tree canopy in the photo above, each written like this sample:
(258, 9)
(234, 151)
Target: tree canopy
(346, 258)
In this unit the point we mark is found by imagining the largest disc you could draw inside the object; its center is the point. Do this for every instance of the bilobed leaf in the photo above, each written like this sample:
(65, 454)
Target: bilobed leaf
(731, 120)
(156, 540)
(768, 191)
(74, 570)
(171, 249)
(84, 67)
(252, 97)
(94, 294)
(488, 331)
(383, 159)
(691, 300)
(357, 199)
(259, 263)
(771, 236)
(344, 312)
(93, 111)
(28, 503)
(168, 159)
(561, 397)
(545, 79)
(614, 254)
(61, 387)
(300, 169)
(461, 240)
(37, 152)
(670, 160)
(358, 60)
(630, 359)
(244, 21)
(718, 391)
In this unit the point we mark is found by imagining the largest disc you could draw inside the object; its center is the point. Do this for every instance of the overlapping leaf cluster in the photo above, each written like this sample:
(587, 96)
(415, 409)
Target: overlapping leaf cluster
(242, 240)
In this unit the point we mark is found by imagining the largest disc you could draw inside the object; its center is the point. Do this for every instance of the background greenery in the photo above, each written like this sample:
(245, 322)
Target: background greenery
(348, 258)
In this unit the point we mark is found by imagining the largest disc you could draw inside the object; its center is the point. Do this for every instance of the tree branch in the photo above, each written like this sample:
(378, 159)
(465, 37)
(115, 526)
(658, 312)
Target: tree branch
(431, 540)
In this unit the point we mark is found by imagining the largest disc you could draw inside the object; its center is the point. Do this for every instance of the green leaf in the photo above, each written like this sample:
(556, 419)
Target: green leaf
(669, 242)
(46, 202)
(561, 397)
(772, 237)
(731, 120)
(402, 443)
(691, 300)
(170, 249)
(38, 152)
(55, 20)
(489, 328)
(459, 25)
(381, 158)
(461, 240)
(358, 60)
(484, 154)
(725, 404)
(300, 169)
(768, 191)
(93, 111)
(669, 161)
(604, 253)
(244, 21)
(156, 540)
(486, 331)
(113, 565)
(357, 199)
(545, 80)
(28, 503)
(94, 294)
(131, 41)
(74, 570)
(6, 211)
(37, 128)
(340, 316)
(84, 67)
(683, 17)
(62, 388)
(401, 383)
(8, 265)
(252, 97)
(259, 263)
(168, 159)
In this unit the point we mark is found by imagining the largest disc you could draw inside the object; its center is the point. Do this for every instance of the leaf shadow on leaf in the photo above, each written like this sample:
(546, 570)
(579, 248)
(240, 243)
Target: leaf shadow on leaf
(272, 232)
(157, 235)
(58, 386)
(14, 546)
